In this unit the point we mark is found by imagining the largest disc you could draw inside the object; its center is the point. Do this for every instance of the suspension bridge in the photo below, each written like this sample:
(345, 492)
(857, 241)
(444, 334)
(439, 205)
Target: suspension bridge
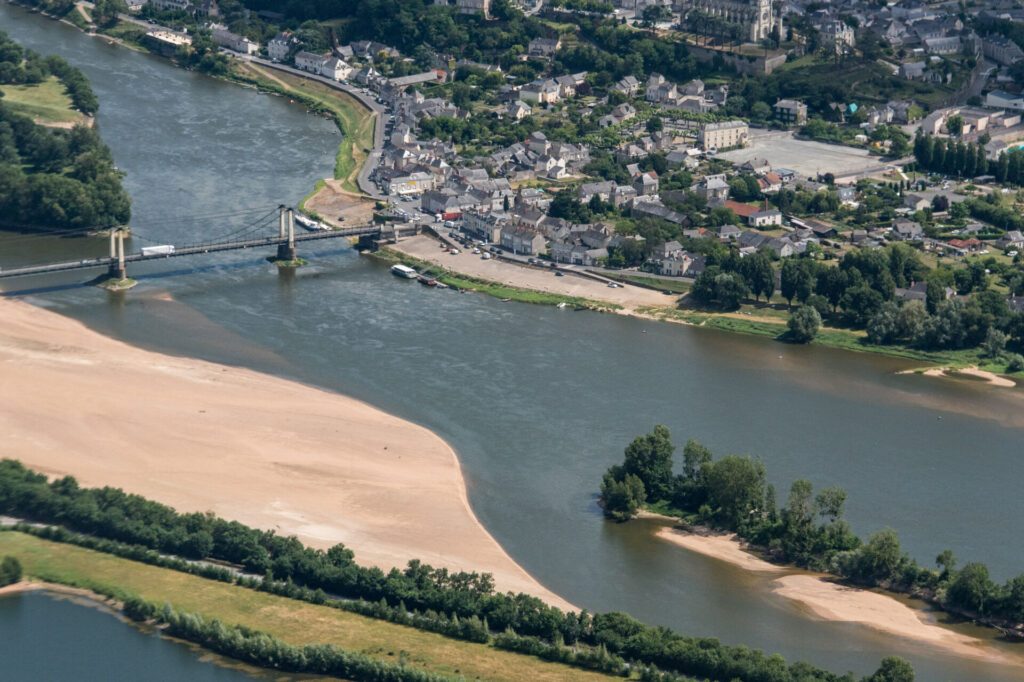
(258, 234)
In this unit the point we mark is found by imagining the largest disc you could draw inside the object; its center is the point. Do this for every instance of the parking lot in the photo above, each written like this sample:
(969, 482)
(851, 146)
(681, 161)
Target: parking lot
(805, 157)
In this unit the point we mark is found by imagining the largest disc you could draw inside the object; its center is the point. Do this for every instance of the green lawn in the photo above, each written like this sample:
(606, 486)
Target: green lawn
(295, 622)
(47, 102)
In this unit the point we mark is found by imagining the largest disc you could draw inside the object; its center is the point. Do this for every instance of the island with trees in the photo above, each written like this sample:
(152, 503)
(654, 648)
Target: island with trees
(732, 494)
(53, 177)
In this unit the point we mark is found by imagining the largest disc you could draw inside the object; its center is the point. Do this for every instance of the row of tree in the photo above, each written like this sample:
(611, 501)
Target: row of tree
(25, 67)
(863, 289)
(110, 513)
(267, 651)
(955, 157)
(732, 493)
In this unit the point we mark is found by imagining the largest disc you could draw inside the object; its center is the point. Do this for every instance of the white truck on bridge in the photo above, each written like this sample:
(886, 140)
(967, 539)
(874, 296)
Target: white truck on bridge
(162, 250)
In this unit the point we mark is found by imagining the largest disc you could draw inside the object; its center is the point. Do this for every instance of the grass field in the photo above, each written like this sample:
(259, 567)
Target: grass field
(292, 621)
(355, 120)
(47, 102)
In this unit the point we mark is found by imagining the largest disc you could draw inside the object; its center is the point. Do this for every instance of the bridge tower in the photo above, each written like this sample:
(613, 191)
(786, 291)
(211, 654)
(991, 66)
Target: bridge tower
(287, 253)
(117, 273)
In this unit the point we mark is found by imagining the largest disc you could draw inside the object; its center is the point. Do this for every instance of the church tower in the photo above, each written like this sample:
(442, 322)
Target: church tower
(761, 26)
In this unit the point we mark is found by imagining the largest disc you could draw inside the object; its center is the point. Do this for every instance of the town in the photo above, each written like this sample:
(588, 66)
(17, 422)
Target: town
(436, 340)
(720, 147)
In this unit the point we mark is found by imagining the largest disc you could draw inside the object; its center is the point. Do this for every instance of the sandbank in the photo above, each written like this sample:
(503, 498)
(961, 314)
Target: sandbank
(830, 600)
(526, 277)
(991, 378)
(251, 447)
(725, 548)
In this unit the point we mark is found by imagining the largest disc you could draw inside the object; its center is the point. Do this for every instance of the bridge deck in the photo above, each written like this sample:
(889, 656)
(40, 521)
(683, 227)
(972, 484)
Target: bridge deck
(199, 249)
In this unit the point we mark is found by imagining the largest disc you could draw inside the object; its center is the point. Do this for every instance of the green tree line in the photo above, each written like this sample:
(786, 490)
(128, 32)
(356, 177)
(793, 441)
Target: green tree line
(113, 515)
(732, 493)
(267, 651)
(22, 66)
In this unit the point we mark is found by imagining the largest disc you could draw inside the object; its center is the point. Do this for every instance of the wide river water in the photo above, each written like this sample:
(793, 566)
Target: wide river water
(536, 401)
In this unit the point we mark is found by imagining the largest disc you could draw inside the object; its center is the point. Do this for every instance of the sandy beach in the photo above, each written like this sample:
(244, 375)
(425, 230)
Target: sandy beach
(990, 378)
(538, 279)
(251, 447)
(828, 600)
(832, 601)
(723, 547)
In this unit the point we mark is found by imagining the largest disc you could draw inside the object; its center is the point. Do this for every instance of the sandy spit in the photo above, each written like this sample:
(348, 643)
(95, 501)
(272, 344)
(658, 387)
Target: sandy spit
(255, 448)
(832, 601)
(829, 600)
(725, 548)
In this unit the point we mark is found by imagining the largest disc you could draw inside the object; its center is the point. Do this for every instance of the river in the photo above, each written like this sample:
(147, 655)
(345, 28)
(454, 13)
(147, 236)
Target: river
(54, 637)
(537, 401)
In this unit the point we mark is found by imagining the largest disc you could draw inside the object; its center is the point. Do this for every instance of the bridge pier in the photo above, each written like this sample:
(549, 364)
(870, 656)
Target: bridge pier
(117, 278)
(287, 254)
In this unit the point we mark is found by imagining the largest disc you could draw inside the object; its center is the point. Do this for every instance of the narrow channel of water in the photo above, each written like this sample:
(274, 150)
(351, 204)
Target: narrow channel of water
(537, 401)
(52, 637)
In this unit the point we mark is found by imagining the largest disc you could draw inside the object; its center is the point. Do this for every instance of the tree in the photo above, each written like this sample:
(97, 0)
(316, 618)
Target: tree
(893, 669)
(955, 124)
(804, 324)
(622, 499)
(796, 280)
(860, 303)
(649, 458)
(736, 489)
(10, 571)
(655, 124)
(946, 561)
(995, 343)
(829, 503)
(880, 559)
(972, 589)
(832, 283)
(760, 111)
(757, 271)
(724, 290)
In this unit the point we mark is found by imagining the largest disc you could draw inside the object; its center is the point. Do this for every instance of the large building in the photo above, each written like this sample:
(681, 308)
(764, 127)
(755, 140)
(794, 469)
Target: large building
(723, 135)
(469, 6)
(757, 17)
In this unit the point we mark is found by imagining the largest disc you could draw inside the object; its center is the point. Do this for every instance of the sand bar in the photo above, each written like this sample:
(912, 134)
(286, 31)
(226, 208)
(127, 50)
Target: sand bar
(723, 547)
(832, 601)
(255, 448)
(991, 378)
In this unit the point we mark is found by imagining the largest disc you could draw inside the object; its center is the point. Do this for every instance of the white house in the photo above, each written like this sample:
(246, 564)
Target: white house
(280, 45)
(235, 42)
(310, 61)
(335, 69)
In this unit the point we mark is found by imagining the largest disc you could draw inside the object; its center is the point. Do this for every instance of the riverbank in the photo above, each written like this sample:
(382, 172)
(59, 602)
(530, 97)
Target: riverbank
(827, 599)
(265, 451)
(647, 303)
(625, 299)
(86, 574)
